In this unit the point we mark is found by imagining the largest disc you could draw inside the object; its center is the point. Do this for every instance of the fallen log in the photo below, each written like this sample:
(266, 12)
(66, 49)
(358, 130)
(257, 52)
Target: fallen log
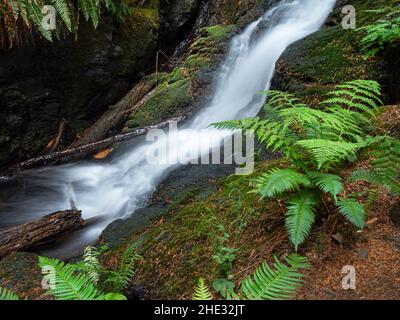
(80, 152)
(40, 232)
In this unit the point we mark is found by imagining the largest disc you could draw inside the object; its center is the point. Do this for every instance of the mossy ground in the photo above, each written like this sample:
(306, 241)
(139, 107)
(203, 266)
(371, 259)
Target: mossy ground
(178, 248)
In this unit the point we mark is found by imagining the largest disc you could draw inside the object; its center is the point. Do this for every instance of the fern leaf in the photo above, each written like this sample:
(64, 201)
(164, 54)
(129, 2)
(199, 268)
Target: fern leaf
(329, 152)
(6, 294)
(277, 283)
(279, 181)
(328, 183)
(68, 284)
(36, 16)
(300, 217)
(202, 292)
(353, 211)
(91, 264)
(63, 10)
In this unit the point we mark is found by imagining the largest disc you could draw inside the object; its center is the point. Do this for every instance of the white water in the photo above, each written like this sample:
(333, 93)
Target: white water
(117, 189)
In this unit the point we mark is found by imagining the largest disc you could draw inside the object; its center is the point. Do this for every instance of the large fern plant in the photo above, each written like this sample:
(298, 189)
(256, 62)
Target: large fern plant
(278, 282)
(17, 16)
(384, 33)
(317, 142)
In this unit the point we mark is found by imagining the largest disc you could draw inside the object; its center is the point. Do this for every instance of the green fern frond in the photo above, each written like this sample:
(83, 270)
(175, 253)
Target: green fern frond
(126, 268)
(353, 211)
(70, 285)
(327, 152)
(6, 294)
(35, 15)
(202, 292)
(387, 163)
(328, 183)
(29, 12)
(300, 217)
(119, 279)
(64, 11)
(282, 100)
(381, 34)
(361, 95)
(229, 125)
(279, 181)
(277, 283)
(91, 263)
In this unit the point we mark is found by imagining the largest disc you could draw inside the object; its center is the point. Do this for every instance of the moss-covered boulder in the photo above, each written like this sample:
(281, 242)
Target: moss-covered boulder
(331, 56)
(179, 92)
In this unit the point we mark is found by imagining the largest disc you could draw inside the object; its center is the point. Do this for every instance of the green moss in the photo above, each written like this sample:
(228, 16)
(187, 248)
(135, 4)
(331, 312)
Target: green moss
(169, 98)
(179, 248)
(174, 96)
(330, 56)
(212, 37)
(219, 32)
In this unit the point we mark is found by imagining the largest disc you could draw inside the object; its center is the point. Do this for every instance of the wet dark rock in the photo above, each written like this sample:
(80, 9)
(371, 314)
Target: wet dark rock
(135, 293)
(75, 80)
(363, 253)
(395, 214)
(178, 16)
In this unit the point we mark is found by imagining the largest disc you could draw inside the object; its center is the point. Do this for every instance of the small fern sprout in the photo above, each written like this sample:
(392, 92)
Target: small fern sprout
(202, 292)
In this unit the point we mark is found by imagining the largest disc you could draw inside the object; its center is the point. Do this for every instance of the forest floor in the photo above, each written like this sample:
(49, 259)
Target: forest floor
(375, 256)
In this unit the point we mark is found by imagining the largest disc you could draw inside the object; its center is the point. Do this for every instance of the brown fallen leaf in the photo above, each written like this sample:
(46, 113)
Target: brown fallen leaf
(103, 154)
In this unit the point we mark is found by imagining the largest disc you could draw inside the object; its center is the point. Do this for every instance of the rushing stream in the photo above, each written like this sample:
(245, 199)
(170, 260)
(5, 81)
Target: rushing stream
(115, 190)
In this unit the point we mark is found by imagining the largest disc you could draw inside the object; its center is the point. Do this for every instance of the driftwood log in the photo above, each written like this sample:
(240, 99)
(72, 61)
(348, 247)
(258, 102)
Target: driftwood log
(80, 152)
(40, 232)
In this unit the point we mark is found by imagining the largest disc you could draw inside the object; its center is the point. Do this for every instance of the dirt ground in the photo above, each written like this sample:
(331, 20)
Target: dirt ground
(375, 255)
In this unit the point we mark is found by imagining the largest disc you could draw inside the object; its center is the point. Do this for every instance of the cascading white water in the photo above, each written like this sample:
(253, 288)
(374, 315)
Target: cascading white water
(117, 189)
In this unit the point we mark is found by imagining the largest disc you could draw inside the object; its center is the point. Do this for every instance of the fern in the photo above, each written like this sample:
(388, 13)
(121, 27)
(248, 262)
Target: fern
(202, 292)
(6, 294)
(317, 142)
(327, 152)
(17, 16)
(353, 211)
(278, 181)
(118, 280)
(328, 183)
(91, 264)
(381, 34)
(277, 283)
(300, 217)
(63, 9)
(68, 284)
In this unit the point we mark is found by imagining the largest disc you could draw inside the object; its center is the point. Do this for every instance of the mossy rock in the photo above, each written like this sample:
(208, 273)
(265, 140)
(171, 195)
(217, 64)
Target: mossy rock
(20, 273)
(316, 64)
(177, 92)
(169, 100)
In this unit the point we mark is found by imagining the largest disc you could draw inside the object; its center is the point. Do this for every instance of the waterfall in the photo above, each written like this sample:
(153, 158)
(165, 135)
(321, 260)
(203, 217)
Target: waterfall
(116, 189)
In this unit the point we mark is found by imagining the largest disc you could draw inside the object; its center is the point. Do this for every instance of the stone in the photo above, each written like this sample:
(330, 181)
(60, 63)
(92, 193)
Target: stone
(395, 214)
